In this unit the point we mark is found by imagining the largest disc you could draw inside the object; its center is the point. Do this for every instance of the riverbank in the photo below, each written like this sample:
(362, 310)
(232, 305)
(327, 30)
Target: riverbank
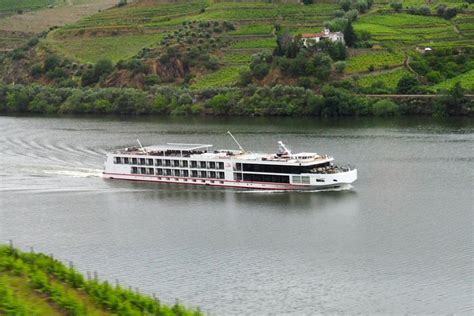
(34, 283)
(251, 101)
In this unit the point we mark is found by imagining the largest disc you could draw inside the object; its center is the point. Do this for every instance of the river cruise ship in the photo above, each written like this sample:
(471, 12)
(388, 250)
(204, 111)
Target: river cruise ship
(200, 165)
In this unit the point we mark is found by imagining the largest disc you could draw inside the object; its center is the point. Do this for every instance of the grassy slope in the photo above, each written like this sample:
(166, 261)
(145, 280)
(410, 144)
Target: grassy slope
(14, 5)
(120, 33)
(19, 294)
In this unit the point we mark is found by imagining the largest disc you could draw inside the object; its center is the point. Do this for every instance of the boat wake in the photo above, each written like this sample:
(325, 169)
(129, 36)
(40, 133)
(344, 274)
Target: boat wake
(76, 173)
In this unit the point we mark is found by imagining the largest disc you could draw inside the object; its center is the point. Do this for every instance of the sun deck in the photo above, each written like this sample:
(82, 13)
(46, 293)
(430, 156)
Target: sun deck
(203, 151)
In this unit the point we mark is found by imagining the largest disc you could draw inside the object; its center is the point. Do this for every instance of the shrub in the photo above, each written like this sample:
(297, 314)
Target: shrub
(424, 10)
(56, 73)
(151, 80)
(219, 103)
(322, 66)
(51, 62)
(385, 108)
(32, 42)
(434, 76)
(36, 70)
(340, 66)
(396, 6)
(345, 4)
(351, 15)
(17, 54)
(407, 84)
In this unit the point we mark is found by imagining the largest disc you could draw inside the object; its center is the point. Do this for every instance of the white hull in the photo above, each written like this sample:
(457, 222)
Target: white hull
(342, 180)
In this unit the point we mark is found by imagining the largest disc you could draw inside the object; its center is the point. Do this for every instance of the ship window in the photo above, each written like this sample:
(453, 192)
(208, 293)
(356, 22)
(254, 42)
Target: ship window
(202, 164)
(221, 165)
(194, 180)
(125, 160)
(266, 178)
(203, 174)
(194, 164)
(134, 161)
(134, 170)
(185, 163)
(143, 170)
(158, 162)
(185, 173)
(221, 182)
(212, 165)
(176, 163)
(296, 179)
(168, 172)
(117, 160)
(203, 181)
(237, 176)
(221, 175)
(212, 181)
(212, 174)
(238, 166)
(151, 171)
(159, 171)
(334, 180)
(320, 180)
(305, 179)
(142, 161)
(167, 162)
(194, 173)
(177, 173)
(150, 162)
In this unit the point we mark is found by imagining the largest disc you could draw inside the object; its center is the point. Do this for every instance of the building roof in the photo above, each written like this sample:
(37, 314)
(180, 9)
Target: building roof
(177, 146)
(312, 35)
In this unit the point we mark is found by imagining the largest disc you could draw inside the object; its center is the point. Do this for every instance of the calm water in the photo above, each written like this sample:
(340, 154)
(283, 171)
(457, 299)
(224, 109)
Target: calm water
(401, 241)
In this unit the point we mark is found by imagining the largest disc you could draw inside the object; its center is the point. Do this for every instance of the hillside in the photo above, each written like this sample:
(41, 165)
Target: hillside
(36, 284)
(204, 44)
(23, 19)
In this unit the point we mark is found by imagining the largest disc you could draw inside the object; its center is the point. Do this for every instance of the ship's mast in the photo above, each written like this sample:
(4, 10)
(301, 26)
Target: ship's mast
(235, 140)
(142, 148)
(284, 149)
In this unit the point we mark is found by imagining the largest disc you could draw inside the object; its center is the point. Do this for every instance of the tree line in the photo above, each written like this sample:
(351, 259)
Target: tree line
(279, 100)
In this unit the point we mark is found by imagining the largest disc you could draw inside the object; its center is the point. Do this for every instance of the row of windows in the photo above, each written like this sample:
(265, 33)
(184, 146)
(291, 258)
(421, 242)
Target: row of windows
(178, 173)
(275, 168)
(301, 179)
(261, 177)
(169, 163)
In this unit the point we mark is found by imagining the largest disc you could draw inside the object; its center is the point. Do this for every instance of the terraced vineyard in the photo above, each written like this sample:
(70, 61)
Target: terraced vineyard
(124, 32)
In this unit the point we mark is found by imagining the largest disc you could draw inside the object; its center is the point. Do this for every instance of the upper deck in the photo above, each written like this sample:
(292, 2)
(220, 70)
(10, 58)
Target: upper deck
(203, 151)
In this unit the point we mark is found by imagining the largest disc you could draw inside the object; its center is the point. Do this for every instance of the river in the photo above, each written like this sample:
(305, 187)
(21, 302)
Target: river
(399, 241)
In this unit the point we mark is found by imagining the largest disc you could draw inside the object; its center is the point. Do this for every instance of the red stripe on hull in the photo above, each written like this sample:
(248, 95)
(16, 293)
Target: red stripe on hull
(283, 187)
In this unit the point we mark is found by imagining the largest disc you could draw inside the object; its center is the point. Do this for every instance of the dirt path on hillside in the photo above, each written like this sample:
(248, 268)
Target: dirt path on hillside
(42, 20)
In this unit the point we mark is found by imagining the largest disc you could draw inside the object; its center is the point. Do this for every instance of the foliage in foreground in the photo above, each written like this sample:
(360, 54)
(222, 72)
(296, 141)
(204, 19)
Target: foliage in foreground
(56, 281)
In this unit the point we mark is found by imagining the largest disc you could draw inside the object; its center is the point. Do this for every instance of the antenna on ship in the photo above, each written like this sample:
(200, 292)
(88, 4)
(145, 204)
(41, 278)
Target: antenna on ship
(283, 149)
(142, 148)
(235, 140)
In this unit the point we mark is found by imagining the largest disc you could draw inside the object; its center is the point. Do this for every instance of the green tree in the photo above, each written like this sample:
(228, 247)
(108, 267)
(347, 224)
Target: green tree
(396, 6)
(349, 35)
(220, 104)
(322, 66)
(385, 108)
(408, 84)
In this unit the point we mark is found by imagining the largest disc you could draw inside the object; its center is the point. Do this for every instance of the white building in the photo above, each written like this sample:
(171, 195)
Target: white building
(325, 34)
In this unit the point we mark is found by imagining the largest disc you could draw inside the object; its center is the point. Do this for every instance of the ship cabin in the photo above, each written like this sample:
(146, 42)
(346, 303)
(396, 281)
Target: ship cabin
(198, 163)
